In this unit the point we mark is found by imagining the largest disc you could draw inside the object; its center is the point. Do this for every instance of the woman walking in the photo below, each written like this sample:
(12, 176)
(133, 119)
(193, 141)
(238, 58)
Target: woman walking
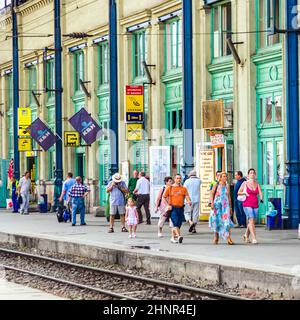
(161, 205)
(251, 189)
(221, 210)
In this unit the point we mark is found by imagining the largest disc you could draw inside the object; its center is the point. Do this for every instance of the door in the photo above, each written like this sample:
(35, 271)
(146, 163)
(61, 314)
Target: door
(271, 160)
(80, 165)
(104, 172)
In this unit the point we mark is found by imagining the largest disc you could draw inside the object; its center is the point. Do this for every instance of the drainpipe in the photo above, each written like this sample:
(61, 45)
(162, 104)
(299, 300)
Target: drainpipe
(188, 115)
(58, 104)
(292, 180)
(16, 101)
(113, 87)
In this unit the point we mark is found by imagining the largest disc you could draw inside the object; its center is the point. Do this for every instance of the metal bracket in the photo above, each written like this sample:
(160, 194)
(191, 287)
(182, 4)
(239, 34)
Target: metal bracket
(148, 74)
(35, 94)
(85, 90)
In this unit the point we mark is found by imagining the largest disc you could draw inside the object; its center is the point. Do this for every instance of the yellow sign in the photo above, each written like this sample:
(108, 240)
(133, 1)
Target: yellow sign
(134, 99)
(24, 118)
(22, 131)
(71, 139)
(134, 131)
(24, 144)
(29, 154)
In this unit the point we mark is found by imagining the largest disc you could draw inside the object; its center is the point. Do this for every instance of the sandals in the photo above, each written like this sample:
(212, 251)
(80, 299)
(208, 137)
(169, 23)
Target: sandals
(246, 239)
(124, 229)
(229, 241)
(111, 230)
(216, 239)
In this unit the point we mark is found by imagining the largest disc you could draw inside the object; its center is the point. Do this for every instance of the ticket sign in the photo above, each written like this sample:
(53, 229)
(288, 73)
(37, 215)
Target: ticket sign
(24, 144)
(134, 131)
(71, 139)
(134, 103)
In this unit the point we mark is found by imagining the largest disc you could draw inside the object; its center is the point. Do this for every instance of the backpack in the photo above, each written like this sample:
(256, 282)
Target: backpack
(60, 213)
(67, 215)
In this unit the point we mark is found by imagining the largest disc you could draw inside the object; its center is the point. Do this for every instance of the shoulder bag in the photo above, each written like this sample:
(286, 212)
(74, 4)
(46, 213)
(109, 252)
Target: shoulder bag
(243, 197)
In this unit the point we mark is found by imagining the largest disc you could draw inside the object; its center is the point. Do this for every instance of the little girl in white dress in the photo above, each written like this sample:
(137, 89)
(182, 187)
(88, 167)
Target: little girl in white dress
(131, 217)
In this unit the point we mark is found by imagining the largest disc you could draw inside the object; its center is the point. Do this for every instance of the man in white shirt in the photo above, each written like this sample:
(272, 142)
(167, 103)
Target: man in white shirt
(142, 190)
(24, 191)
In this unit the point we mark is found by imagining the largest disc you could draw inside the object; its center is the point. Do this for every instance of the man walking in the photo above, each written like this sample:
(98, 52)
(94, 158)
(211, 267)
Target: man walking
(77, 193)
(176, 194)
(142, 190)
(24, 190)
(117, 189)
(66, 187)
(192, 212)
(238, 205)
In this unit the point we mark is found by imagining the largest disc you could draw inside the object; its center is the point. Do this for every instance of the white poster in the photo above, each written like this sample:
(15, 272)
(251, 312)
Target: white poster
(160, 167)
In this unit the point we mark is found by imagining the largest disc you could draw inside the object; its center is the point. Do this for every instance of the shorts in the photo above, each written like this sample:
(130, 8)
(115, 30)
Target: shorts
(114, 209)
(251, 212)
(177, 216)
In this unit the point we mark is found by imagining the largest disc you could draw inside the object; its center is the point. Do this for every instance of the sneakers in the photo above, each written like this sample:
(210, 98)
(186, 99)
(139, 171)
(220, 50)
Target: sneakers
(130, 235)
(159, 235)
(180, 239)
(174, 240)
(254, 241)
(134, 235)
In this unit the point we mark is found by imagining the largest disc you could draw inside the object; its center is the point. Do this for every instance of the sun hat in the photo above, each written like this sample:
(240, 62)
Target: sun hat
(117, 177)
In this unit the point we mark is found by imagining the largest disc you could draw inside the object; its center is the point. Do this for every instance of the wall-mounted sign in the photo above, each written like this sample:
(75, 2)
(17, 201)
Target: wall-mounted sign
(24, 144)
(206, 167)
(71, 139)
(29, 154)
(134, 131)
(217, 141)
(134, 104)
(87, 127)
(24, 120)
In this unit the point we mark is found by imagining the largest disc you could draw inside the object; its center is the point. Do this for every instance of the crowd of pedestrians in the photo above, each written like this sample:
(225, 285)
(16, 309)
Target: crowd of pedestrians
(176, 203)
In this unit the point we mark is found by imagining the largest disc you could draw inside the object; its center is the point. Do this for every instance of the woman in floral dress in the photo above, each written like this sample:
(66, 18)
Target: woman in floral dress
(219, 220)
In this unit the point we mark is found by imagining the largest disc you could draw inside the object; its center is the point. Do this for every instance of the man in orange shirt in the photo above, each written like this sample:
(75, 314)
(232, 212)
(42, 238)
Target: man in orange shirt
(176, 194)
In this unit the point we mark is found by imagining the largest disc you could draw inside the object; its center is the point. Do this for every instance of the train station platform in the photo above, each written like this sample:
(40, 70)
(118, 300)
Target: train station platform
(13, 291)
(273, 264)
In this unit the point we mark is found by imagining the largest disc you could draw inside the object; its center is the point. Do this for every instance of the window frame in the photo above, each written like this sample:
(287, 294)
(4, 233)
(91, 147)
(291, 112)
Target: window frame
(78, 67)
(32, 84)
(172, 63)
(220, 30)
(137, 56)
(103, 63)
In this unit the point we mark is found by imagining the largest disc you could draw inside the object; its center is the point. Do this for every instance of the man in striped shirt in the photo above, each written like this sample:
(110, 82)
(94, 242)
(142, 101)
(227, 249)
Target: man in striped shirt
(77, 194)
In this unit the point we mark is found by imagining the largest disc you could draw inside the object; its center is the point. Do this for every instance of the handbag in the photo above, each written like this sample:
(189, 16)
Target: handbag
(243, 197)
(20, 200)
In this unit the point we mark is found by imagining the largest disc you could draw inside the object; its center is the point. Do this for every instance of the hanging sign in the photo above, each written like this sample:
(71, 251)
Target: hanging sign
(24, 144)
(217, 141)
(88, 129)
(71, 139)
(24, 119)
(134, 131)
(42, 134)
(134, 104)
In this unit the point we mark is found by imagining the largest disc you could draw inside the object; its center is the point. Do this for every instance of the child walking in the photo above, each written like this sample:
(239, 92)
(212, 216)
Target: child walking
(131, 217)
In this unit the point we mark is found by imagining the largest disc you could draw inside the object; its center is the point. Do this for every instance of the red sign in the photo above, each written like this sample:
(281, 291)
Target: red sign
(134, 90)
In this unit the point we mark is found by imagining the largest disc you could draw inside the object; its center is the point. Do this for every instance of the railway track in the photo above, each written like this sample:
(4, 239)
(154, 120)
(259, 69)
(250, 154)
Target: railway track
(102, 282)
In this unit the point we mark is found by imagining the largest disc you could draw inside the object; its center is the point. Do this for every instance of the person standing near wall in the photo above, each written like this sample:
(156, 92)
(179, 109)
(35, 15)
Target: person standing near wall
(132, 183)
(142, 190)
(66, 187)
(238, 205)
(24, 190)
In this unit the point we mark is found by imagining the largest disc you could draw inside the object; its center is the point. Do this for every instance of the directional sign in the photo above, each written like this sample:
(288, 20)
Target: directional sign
(134, 116)
(134, 131)
(134, 104)
(29, 154)
(22, 130)
(71, 139)
(24, 144)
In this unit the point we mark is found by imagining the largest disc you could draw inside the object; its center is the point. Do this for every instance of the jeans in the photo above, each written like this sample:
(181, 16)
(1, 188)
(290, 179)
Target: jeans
(177, 216)
(240, 213)
(25, 203)
(78, 204)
